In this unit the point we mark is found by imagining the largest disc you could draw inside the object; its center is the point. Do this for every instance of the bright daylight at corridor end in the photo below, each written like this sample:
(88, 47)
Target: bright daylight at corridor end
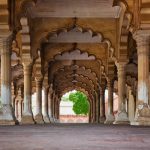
(75, 74)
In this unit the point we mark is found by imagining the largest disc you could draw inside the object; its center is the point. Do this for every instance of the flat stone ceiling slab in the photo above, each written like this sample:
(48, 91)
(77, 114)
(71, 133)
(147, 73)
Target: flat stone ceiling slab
(75, 8)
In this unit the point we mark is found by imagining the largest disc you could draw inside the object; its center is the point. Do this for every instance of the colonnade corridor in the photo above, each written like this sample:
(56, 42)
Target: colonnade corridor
(98, 48)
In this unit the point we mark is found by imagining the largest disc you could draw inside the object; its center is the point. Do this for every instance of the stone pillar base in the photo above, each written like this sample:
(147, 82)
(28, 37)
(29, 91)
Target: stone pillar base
(7, 115)
(51, 120)
(39, 119)
(109, 119)
(57, 121)
(121, 118)
(46, 119)
(27, 120)
(142, 116)
(102, 119)
(140, 123)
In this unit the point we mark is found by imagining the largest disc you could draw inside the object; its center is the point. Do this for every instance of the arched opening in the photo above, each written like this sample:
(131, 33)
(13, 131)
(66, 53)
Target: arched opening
(74, 107)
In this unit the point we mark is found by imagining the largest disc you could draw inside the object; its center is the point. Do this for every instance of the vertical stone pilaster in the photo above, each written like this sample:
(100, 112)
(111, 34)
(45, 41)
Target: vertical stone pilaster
(45, 105)
(131, 106)
(13, 95)
(50, 106)
(97, 107)
(16, 109)
(110, 116)
(19, 110)
(94, 111)
(122, 117)
(27, 116)
(38, 116)
(7, 116)
(55, 108)
(102, 105)
(18, 105)
(142, 116)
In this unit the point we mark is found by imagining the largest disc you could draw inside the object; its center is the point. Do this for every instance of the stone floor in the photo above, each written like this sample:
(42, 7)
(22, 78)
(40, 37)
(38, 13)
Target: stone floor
(74, 137)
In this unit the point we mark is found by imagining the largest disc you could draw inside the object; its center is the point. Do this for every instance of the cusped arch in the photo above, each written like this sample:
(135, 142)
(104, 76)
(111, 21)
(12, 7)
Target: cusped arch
(82, 30)
(90, 32)
(77, 78)
(70, 88)
(79, 84)
(86, 73)
(74, 55)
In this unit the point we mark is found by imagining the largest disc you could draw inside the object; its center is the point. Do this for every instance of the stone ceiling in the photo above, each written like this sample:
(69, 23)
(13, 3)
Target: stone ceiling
(77, 8)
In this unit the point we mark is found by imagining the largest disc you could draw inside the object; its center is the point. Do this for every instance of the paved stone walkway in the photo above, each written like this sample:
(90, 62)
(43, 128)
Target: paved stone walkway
(74, 137)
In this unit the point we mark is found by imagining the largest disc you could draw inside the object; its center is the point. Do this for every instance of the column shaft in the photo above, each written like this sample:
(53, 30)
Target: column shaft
(131, 106)
(45, 105)
(19, 110)
(27, 117)
(16, 109)
(110, 117)
(6, 113)
(38, 116)
(94, 111)
(97, 107)
(142, 116)
(50, 106)
(122, 117)
(102, 105)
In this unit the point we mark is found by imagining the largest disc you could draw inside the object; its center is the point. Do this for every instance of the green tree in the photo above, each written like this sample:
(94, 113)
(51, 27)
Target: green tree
(80, 103)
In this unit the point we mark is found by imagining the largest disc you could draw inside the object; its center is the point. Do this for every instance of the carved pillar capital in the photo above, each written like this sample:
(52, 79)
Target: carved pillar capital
(102, 89)
(27, 69)
(110, 82)
(46, 87)
(5, 43)
(142, 37)
(142, 40)
(39, 79)
(27, 62)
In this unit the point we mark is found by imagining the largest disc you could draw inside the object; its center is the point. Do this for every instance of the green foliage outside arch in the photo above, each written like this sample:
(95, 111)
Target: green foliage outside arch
(80, 103)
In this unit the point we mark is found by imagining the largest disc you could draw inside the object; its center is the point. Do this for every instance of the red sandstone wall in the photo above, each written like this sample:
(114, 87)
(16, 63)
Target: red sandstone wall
(73, 119)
